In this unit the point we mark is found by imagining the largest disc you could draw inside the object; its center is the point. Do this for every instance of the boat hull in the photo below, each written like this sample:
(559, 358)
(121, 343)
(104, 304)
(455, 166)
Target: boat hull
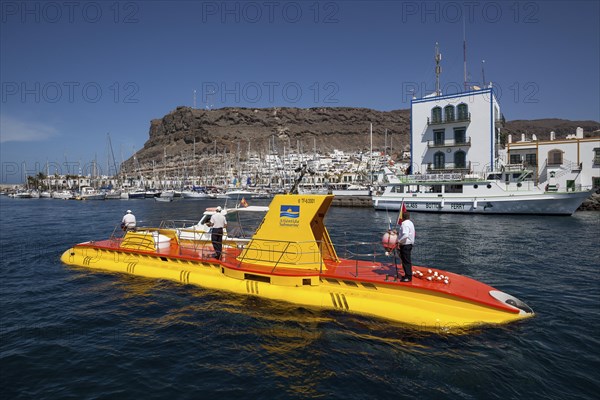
(516, 203)
(421, 304)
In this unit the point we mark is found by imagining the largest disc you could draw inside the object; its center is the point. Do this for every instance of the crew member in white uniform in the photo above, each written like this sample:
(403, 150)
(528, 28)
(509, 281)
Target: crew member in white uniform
(128, 221)
(407, 239)
(218, 222)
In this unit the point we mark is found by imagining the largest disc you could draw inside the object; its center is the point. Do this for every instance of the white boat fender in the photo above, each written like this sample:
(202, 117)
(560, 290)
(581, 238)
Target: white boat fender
(475, 204)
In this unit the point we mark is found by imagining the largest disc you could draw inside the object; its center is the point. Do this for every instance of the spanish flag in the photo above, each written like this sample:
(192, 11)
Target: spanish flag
(243, 203)
(402, 211)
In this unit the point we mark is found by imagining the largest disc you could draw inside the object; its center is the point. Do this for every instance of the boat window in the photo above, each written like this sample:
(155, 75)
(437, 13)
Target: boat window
(436, 188)
(454, 188)
(257, 278)
(398, 189)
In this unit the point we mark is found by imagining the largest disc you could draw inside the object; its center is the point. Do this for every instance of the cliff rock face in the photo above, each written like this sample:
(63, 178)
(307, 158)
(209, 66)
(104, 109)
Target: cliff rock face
(234, 130)
(228, 129)
(542, 128)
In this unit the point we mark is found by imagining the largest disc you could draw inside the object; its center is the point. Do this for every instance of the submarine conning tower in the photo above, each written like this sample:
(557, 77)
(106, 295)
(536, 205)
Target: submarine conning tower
(292, 234)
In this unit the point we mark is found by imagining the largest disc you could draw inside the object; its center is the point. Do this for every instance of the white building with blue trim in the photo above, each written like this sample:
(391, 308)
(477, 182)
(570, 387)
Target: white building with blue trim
(457, 133)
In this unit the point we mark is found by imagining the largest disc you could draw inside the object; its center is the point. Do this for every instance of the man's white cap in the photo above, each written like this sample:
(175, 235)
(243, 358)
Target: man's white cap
(219, 208)
(128, 211)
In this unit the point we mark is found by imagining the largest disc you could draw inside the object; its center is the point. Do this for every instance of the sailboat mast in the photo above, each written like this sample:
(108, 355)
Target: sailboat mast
(371, 155)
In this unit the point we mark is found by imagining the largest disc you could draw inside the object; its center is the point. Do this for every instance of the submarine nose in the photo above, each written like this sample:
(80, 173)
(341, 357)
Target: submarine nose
(512, 301)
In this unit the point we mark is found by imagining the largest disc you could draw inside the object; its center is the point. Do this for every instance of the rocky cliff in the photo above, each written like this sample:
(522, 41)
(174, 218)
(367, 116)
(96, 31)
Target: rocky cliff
(234, 130)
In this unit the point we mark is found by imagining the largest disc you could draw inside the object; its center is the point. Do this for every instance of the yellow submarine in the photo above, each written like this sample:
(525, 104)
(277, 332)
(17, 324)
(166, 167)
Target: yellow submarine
(291, 258)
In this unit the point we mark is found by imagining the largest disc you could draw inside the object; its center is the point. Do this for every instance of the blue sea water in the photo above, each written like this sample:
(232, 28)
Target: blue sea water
(74, 333)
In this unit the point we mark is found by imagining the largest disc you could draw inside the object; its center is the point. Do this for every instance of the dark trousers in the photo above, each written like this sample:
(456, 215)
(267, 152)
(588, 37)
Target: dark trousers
(217, 241)
(406, 259)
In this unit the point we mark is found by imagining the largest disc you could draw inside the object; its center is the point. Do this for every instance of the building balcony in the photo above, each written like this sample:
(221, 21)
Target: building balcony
(442, 121)
(501, 121)
(432, 144)
(449, 168)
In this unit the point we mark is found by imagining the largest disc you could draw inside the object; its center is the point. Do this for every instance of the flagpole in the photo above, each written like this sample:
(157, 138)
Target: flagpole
(371, 129)
(400, 213)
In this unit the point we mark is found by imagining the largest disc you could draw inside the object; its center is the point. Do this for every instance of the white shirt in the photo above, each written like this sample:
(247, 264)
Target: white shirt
(129, 220)
(407, 230)
(218, 220)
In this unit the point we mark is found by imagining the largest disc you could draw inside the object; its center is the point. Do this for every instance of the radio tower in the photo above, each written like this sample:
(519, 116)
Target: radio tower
(438, 68)
(465, 55)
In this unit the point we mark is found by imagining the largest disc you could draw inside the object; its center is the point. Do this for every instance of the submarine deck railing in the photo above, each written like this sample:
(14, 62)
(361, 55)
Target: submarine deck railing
(191, 237)
(357, 251)
(278, 249)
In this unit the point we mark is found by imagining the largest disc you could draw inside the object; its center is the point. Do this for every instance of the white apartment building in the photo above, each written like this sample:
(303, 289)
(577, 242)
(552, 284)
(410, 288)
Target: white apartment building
(456, 133)
(571, 162)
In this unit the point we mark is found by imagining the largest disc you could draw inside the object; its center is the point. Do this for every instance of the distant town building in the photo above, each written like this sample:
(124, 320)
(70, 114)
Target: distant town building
(571, 161)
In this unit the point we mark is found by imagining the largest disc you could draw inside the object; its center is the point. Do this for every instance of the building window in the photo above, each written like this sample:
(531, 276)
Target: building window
(460, 159)
(515, 159)
(449, 113)
(439, 137)
(439, 160)
(463, 112)
(531, 160)
(436, 115)
(597, 156)
(460, 136)
(555, 157)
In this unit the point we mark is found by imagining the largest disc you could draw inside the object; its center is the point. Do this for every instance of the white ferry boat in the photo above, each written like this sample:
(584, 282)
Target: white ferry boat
(498, 193)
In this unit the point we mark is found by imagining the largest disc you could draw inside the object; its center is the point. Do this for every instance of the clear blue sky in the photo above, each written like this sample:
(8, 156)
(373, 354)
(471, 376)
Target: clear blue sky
(71, 72)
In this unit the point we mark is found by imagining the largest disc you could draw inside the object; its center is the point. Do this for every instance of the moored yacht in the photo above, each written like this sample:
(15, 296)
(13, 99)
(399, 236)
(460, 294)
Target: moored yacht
(497, 193)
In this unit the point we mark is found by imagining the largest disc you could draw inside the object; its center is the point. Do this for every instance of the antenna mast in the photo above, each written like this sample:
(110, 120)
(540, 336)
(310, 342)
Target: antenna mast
(438, 68)
(465, 54)
(483, 72)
